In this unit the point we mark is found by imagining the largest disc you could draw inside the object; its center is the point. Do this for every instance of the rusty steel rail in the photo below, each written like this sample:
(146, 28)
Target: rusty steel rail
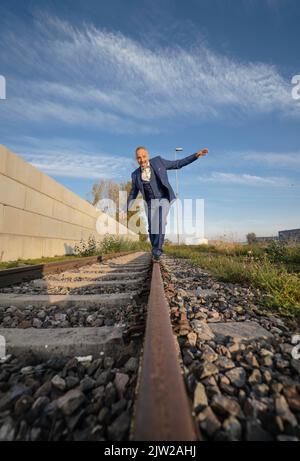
(163, 410)
(21, 274)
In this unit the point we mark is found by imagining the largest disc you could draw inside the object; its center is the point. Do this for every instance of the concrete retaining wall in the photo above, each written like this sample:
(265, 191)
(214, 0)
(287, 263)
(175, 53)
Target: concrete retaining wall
(41, 217)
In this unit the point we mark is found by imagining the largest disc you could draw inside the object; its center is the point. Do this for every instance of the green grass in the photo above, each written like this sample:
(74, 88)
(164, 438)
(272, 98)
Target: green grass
(280, 287)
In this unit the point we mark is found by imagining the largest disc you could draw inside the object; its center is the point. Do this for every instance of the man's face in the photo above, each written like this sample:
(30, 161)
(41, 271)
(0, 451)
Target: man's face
(142, 157)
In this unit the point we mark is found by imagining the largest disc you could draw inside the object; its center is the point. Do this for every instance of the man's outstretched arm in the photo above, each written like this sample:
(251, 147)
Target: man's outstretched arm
(177, 164)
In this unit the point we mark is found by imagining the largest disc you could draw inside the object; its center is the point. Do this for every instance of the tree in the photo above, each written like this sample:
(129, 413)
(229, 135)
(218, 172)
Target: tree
(251, 238)
(108, 189)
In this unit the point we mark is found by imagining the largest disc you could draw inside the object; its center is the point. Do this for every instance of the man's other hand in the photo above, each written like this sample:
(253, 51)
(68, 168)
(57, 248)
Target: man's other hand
(202, 152)
(122, 215)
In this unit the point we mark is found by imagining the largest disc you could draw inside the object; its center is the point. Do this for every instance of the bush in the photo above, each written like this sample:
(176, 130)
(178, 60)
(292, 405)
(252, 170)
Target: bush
(110, 244)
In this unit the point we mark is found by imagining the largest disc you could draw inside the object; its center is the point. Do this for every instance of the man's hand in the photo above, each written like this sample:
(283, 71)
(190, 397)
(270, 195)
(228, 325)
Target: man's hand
(122, 215)
(201, 153)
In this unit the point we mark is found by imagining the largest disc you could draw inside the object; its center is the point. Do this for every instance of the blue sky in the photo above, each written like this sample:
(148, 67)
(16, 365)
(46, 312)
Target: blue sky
(88, 81)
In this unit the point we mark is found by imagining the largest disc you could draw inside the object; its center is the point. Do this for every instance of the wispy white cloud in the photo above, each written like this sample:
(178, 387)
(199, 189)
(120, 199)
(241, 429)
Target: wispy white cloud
(73, 159)
(245, 179)
(274, 159)
(92, 77)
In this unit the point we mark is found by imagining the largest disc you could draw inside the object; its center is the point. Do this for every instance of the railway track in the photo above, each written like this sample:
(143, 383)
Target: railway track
(123, 350)
(77, 365)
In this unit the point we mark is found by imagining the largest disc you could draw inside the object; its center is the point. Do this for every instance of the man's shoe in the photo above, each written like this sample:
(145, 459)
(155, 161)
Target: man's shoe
(155, 258)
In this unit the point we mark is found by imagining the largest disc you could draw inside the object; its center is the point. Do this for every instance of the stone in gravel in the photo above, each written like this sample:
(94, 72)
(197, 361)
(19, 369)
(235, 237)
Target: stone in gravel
(39, 405)
(108, 362)
(267, 361)
(41, 315)
(255, 377)
(251, 360)
(43, 390)
(214, 317)
(266, 353)
(90, 319)
(187, 358)
(281, 364)
(192, 338)
(200, 398)
(239, 310)
(224, 363)
(208, 421)
(233, 428)
(94, 366)
(118, 407)
(110, 395)
(12, 395)
(103, 378)
(23, 404)
(103, 415)
(283, 411)
(286, 349)
(71, 381)
(254, 432)
(74, 420)
(58, 382)
(208, 369)
(224, 380)
(237, 376)
(203, 330)
(119, 428)
(240, 331)
(39, 283)
(98, 393)
(228, 389)
(225, 405)
(87, 384)
(36, 323)
(205, 293)
(295, 364)
(131, 365)
(59, 317)
(27, 370)
(69, 402)
(277, 387)
(209, 381)
(292, 397)
(261, 390)
(209, 355)
(121, 381)
(254, 408)
(7, 431)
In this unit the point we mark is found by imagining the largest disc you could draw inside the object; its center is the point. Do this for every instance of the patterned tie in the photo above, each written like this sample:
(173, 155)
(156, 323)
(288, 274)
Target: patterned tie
(146, 173)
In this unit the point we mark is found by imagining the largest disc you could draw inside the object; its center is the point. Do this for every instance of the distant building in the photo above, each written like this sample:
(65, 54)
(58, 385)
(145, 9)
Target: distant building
(266, 239)
(292, 234)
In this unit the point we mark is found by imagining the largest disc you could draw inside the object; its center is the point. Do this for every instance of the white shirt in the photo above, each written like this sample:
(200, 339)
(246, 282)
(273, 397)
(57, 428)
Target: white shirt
(146, 173)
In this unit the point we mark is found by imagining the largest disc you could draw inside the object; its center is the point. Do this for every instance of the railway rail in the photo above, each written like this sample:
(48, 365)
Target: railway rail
(120, 349)
(77, 364)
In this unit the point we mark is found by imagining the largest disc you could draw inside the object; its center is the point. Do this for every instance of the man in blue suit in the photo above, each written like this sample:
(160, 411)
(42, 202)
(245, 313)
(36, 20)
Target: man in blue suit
(151, 179)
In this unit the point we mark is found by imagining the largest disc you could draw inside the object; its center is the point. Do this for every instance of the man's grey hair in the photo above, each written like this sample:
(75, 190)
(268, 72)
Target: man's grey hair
(140, 148)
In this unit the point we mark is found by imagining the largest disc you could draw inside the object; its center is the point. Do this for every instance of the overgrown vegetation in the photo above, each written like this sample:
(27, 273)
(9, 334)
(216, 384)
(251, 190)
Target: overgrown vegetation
(110, 244)
(272, 267)
(91, 247)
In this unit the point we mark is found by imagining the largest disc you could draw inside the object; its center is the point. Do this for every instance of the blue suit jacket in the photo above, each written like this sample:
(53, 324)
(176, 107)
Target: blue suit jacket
(159, 181)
